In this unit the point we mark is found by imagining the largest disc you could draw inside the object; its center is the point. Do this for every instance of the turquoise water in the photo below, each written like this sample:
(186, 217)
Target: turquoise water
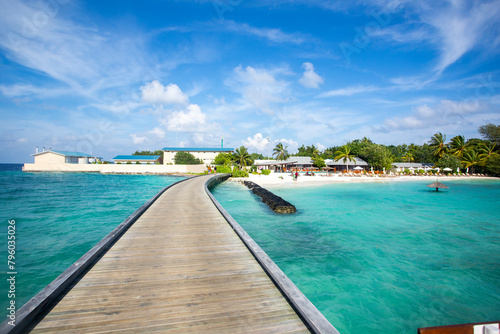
(59, 217)
(384, 258)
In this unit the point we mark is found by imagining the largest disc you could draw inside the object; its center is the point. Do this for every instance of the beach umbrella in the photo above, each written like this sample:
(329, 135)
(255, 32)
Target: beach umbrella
(438, 185)
(358, 168)
(447, 169)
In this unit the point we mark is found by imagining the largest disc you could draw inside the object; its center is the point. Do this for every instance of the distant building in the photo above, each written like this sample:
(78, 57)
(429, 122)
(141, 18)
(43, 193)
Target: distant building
(306, 162)
(401, 166)
(340, 165)
(207, 155)
(143, 159)
(59, 157)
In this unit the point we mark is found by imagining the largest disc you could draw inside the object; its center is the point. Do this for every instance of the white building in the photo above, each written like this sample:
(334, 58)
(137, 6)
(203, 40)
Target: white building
(61, 157)
(207, 155)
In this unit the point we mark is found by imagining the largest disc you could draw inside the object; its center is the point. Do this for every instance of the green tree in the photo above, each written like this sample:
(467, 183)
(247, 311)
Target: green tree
(281, 152)
(344, 153)
(257, 156)
(458, 146)
(157, 152)
(223, 159)
(471, 159)
(186, 158)
(450, 161)
(241, 157)
(438, 144)
(490, 132)
(408, 157)
(329, 153)
(377, 156)
(307, 151)
(318, 162)
(488, 152)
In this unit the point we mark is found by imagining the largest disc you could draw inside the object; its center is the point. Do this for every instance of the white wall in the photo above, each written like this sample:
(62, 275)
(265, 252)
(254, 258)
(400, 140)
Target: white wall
(113, 168)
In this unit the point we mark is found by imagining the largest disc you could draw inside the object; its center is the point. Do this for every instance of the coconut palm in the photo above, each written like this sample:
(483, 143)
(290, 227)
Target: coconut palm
(471, 159)
(313, 151)
(438, 144)
(458, 146)
(409, 156)
(280, 152)
(344, 152)
(241, 156)
(487, 152)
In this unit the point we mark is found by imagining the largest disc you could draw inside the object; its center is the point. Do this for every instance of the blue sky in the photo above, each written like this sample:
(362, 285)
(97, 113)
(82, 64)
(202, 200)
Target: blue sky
(112, 77)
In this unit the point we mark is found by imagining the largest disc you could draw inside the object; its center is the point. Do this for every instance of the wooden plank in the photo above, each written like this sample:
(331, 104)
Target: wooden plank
(180, 268)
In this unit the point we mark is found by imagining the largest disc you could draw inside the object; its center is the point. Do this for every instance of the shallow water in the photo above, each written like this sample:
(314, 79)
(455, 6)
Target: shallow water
(59, 217)
(384, 257)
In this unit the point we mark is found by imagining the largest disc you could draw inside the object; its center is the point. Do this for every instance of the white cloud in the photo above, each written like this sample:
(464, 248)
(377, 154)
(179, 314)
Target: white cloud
(155, 93)
(453, 27)
(272, 34)
(310, 79)
(259, 87)
(190, 120)
(157, 132)
(445, 113)
(258, 143)
(290, 144)
(138, 140)
(348, 91)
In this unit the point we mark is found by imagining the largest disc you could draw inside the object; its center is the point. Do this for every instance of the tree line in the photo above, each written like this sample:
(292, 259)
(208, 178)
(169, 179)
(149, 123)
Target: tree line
(481, 155)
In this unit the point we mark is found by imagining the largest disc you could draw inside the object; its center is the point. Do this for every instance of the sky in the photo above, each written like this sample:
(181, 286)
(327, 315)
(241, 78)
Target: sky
(113, 77)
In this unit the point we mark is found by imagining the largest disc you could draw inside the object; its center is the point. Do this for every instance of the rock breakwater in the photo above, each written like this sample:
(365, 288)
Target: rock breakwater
(276, 203)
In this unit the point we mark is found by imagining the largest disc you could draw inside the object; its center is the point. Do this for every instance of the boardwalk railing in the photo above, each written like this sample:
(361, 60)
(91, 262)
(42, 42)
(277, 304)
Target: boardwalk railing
(33, 307)
(303, 306)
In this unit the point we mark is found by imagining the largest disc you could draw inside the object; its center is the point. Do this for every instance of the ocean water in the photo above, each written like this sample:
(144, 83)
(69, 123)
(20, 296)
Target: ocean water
(384, 257)
(59, 217)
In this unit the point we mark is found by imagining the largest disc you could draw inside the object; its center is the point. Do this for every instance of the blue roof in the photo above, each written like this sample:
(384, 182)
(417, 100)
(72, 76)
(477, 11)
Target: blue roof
(136, 157)
(68, 153)
(197, 149)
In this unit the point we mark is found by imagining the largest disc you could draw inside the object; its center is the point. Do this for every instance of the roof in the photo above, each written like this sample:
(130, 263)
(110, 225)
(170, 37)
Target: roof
(357, 162)
(137, 157)
(273, 162)
(66, 153)
(412, 164)
(197, 149)
(299, 160)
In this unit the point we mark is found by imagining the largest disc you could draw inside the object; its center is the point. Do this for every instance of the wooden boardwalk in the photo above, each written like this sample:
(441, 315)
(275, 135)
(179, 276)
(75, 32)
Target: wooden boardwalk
(180, 268)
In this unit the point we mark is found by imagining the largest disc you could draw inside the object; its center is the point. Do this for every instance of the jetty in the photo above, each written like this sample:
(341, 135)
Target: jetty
(180, 264)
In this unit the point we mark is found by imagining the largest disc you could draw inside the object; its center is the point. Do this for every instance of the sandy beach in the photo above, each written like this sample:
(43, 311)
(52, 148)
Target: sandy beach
(286, 180)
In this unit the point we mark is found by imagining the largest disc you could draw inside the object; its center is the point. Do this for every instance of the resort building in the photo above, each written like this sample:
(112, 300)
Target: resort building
(401, 166)
(142, 159)
(61, 157)
(207, 155)
(307, 163)
(340, 165)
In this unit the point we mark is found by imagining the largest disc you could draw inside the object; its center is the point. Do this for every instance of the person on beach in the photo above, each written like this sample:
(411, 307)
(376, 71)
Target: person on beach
(296, 176)
(215, 170)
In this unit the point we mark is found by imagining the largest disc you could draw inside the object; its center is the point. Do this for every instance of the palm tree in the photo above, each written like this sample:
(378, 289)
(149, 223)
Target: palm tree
(458, 146)
(438, 144)
(487, 152)
(409, 156)
(314, 151)
(280, 152)
(471, 159)
(241, 156)
(344, 152)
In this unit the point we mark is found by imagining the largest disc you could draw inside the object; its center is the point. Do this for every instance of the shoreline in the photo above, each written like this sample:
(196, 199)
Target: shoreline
(285, 179)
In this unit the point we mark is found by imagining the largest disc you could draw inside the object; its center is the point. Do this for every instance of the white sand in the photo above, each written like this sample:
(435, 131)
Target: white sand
(285, 179)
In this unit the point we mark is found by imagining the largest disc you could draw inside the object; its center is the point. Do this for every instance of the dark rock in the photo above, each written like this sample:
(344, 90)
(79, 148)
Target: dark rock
(276, 203)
